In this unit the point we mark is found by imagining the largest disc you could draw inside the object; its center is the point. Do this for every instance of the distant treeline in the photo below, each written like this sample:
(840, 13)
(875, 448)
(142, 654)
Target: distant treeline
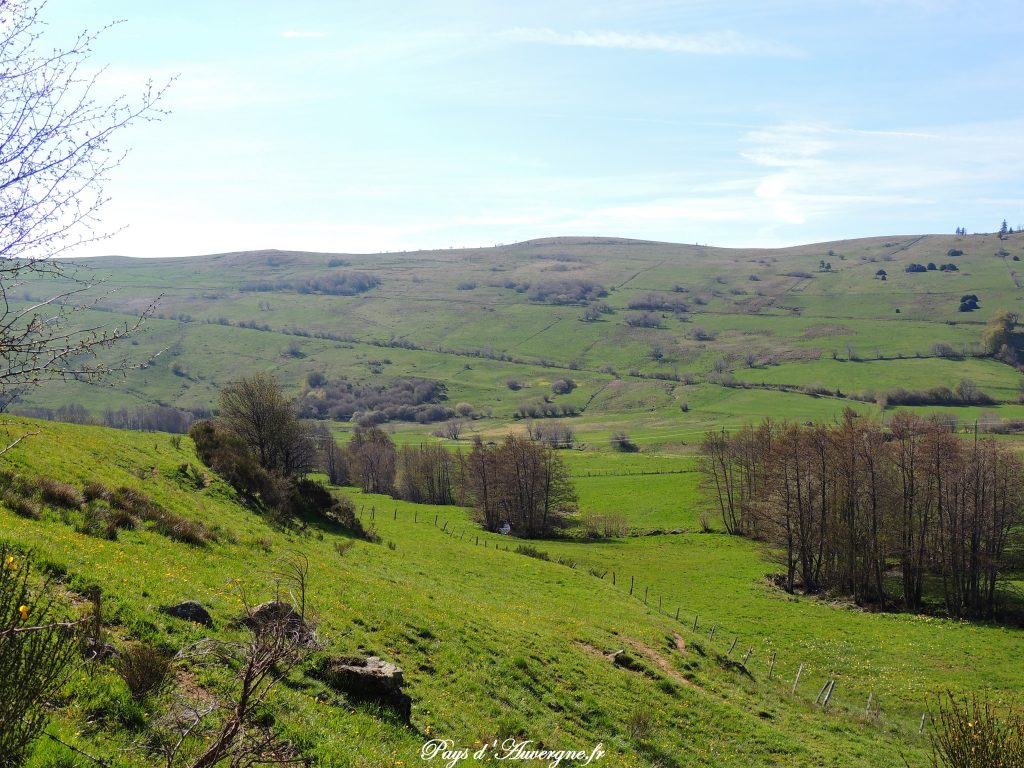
(341, 284)
(139, 419)
(401, 399)
(886, 515)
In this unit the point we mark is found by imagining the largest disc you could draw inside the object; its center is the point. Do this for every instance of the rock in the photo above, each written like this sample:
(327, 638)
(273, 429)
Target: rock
(276, 611)
(369, 679)
(94, 649)
(190, 610)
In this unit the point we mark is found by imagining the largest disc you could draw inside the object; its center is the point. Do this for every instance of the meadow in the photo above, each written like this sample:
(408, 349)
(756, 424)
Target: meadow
(494, 642)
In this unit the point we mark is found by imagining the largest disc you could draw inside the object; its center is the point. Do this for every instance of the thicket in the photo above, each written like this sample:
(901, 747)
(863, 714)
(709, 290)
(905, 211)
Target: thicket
(657, 303)
(401, 399)
(568, 291)
(845, 504)
(520, 483)
(340, 284)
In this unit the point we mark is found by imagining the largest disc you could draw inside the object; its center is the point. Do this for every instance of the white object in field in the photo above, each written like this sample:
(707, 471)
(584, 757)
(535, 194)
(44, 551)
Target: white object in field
(505, 529)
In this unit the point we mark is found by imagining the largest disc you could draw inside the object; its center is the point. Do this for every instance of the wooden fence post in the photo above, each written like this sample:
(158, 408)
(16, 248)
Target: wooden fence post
(677, 613)
(771, 667)
(695, 617)
(796, 682)
(631, 580)
(733, 646)
(867, 710)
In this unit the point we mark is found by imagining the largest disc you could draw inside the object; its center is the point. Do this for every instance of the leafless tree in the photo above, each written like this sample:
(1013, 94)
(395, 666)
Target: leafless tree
(56, 151)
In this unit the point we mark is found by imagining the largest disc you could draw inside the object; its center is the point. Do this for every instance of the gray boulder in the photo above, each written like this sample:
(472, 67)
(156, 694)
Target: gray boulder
(369, 679)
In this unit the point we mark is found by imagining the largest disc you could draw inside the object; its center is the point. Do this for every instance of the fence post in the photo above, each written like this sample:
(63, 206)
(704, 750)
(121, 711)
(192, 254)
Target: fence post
(415, 515)
(373, 513)
(771, 667)
(445, 526)
(659, 602)
(797, 681)
(613, 578)
(921, 729)
(645, 594)
(867, 710)
(677, 613)
(828, 694)
(396, 514)
(631, 580)
(478, 541)
(747, 655)
(711, 636)
(695, 617)
(733, 646)
(822, 691)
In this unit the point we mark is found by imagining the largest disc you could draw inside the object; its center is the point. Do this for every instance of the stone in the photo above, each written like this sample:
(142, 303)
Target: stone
(369, 679)
(190, 610)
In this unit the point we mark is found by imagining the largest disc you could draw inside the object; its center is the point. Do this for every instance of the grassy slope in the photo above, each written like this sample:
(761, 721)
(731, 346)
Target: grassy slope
(492, 642)
(495, 643)
(792, 325)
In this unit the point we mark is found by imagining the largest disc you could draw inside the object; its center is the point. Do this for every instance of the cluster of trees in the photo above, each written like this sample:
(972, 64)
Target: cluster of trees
(545, 410)
(643, 320)
(156, 418)
(401, 399)
(997, 339)
(965, 393)
(340, 284)
(656, 303)
(969, 302)
(261, 448)
(520, 483)
(593, 312)
(931, 267)
(568, 291)
(873, 513)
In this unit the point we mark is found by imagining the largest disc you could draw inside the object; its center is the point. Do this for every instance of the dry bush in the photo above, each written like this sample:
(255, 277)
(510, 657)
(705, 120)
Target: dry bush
(58, 494)
(603, 525)
(968, 733)
(143, 668)
(19, 505)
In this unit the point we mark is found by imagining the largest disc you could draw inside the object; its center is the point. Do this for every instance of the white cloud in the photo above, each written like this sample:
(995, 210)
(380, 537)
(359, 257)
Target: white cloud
(727, 43)
(294, 33)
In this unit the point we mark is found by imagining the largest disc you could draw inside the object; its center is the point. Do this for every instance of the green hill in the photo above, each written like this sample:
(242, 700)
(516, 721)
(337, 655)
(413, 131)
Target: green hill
(497, 644)
(811, 320)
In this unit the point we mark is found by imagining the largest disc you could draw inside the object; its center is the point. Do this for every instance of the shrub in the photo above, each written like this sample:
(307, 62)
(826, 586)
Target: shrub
(19, 505)
(620, 441)
(514, 385)
(642, 320)
(59, 494)
(563, 386)
(602, 525)
(531, 551)
(968, 733)
(143, 669)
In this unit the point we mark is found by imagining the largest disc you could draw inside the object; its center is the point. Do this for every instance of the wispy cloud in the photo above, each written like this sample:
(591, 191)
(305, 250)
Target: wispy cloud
(727, 43)
(296, 33)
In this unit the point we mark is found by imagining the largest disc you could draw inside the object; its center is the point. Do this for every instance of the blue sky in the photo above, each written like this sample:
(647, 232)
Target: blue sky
(342, 126)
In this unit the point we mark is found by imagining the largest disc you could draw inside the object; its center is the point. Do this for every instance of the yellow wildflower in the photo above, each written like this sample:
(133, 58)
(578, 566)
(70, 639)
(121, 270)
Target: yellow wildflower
(10, 564)
(23, 610)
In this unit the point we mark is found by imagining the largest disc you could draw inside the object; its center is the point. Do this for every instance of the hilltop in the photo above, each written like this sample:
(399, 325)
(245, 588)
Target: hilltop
(663, 338)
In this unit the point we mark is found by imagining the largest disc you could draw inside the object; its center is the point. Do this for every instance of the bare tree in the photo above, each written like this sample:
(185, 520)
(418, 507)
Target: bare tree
(257, 411)
(56, 151)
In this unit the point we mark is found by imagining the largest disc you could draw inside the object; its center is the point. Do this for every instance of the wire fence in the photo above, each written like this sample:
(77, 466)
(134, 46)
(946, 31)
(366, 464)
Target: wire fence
(795, 680)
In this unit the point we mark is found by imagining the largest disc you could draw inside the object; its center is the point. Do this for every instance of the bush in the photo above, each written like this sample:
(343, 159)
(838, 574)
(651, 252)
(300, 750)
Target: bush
(563, 386)
(531, 551)
(59, 494)
(603, 525)
(19, 505)
(143, 669)
(643, 320)
(620, 441)
(968, 733)
(514, 385)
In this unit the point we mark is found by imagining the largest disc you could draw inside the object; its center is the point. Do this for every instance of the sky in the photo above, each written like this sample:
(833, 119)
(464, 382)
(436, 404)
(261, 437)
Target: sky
(400, 125)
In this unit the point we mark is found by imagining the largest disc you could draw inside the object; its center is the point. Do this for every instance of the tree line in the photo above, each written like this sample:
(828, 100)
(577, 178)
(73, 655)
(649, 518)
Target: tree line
(875, 513)
(264, 450)
(518, 482)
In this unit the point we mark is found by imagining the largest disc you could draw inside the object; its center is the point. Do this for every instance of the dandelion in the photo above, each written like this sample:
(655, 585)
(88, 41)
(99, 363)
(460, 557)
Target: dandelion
(10, 563)
(23, 610)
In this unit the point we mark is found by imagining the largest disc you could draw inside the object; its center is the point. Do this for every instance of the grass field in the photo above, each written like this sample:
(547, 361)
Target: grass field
(496, 643)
